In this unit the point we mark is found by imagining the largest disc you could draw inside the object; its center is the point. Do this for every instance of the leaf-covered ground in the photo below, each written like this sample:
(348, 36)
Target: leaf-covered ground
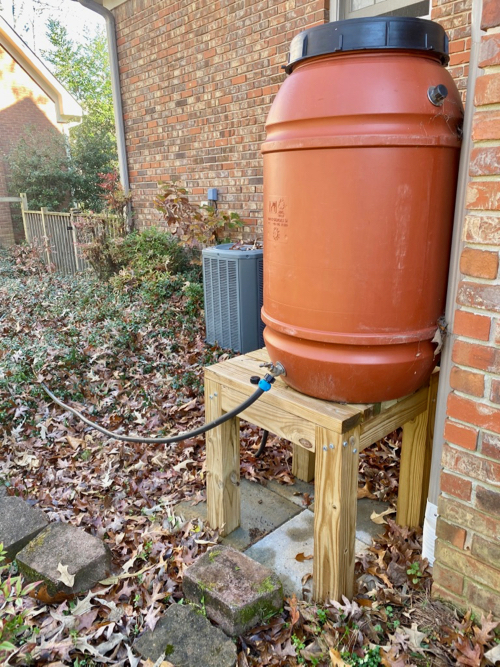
(133, 361)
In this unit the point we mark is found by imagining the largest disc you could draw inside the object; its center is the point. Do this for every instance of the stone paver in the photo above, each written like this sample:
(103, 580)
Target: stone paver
(87, 558)
(186, 639)
(236, 591)
(19, 523)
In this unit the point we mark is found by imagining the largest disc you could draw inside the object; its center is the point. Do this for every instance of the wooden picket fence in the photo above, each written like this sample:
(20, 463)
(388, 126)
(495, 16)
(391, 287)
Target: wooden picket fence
(57, 236)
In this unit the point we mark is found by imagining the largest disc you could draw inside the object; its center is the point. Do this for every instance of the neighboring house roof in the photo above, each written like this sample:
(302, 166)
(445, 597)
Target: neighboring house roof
(67, 108)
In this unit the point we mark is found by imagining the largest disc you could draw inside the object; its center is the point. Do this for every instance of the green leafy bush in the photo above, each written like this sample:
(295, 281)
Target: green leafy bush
(40, 165)
(150, 256)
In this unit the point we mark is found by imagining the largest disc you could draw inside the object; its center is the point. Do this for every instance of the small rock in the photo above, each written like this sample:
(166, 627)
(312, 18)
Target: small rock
(186, 639)
(63, 553)
(237, 592)
(19, 523)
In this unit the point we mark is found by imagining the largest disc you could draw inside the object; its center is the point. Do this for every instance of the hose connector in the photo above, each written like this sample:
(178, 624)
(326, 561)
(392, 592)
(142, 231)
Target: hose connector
(276, 369)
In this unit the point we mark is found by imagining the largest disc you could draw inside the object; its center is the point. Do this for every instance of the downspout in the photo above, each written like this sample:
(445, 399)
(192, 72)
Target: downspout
(116, 91)
(444, 388)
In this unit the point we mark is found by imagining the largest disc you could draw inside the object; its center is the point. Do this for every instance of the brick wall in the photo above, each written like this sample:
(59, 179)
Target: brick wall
(198, 79)
(22, 103)
(455, 17)
(467, 567)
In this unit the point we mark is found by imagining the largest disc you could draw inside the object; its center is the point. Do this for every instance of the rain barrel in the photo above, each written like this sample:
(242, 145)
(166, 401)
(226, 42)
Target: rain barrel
(360, 170)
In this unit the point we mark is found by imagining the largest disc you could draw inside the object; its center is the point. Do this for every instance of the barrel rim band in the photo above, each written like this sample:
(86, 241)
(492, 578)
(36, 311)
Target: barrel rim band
(360, 141)
(375, 338)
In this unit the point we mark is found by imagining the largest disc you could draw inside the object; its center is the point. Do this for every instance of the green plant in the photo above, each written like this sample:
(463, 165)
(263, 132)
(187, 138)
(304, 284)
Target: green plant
(40, 165)
(14, 608)
(415, 572)
(148, 256)
(299, 646)
(194, 225)
(370, 659)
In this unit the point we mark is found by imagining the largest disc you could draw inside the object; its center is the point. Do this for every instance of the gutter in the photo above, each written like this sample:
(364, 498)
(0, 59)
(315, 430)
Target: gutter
(444, 388)
(115, 87)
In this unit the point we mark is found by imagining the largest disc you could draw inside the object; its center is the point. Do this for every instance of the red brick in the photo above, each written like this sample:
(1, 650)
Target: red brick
(472, 568)
(467, 382)
(470, 464)
(456, 486)
(453, 534)
(461, 435)
(472, 325)
(486, 550)
(485, 161)
(486, 125)
(482, 597)
(484, 195)
(488, 500)
(441, 593)
(479, 263)
(490, 50)
(491, 14)
(490, 445)
(482, 357)
(482, 229)
(479, 295)
(448, 579)
(459, 58)
(487, 89)
(462, 514)
(495, 391)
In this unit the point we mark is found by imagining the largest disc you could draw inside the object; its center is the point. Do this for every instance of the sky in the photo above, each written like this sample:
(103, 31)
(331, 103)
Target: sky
(28, 18)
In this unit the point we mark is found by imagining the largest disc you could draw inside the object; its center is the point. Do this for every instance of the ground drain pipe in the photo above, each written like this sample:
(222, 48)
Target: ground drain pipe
(263, 386)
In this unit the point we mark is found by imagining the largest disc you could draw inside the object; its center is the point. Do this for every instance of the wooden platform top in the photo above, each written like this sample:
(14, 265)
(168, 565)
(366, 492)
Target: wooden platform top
(236, 373)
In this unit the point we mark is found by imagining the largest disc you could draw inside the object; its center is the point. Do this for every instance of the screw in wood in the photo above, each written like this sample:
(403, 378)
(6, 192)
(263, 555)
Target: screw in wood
(332, 446)
(344, 444)
(325, 448)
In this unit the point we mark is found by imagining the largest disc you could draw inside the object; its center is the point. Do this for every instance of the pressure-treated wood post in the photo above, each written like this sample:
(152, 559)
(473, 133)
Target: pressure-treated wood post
(223, 464)
(335, 509)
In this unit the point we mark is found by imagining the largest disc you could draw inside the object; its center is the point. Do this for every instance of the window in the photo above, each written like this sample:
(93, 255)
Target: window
(351, 9)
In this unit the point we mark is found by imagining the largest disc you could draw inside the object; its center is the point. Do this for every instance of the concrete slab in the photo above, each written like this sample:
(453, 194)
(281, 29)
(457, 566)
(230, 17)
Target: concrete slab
(279, 549)
(262, 511)
(292, 492)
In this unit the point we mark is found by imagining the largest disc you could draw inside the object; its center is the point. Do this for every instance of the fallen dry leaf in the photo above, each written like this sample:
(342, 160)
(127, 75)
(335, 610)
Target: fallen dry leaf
(379, 518)
(67, 578)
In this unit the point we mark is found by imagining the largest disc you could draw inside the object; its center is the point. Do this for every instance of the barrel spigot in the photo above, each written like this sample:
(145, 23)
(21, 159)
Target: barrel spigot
(274, 369)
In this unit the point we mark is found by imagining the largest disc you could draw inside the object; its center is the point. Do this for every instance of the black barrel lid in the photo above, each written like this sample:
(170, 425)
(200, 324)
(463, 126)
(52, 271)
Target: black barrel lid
(378, 32)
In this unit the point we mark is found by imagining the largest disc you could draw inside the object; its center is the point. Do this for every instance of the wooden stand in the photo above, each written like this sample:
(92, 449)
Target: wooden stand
(327, 439)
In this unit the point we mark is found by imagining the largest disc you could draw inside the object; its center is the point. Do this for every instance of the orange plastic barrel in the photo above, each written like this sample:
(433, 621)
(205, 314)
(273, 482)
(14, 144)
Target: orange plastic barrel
(360, 170)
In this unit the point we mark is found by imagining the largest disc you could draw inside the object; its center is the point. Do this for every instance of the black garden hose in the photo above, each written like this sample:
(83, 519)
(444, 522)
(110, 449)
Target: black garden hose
(264, 385)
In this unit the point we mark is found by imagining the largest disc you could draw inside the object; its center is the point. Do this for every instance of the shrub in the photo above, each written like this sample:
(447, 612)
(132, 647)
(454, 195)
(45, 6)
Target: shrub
(40, 165)
(149, 256)
(195, 226)
(98, 235)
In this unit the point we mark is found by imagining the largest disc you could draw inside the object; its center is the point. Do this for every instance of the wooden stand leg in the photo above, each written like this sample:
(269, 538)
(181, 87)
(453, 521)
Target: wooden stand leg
(416, 454)
(335, 512)
(223, 465)
(303, 463)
